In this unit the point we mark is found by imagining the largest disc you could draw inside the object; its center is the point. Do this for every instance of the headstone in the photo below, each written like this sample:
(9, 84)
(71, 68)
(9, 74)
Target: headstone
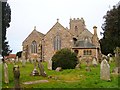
(50, 64)
(16, 59)
(58, 69)
(87, 62)
(78, 66)
(6, 77)
(94, 62)
(105, 70)
(41, 68)
(111, 59)
(23, 59)
(16, 73)
(23, 62)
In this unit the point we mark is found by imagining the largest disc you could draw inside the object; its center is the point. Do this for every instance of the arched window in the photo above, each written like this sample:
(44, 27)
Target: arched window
(34, 47)
(57, 42)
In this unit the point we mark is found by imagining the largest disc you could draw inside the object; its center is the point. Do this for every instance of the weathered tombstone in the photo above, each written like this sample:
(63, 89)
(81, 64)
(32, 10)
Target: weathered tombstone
(23, 59)
(94, 62)
(6, 77)
(16, 73)
(16, 59)
(78, 66)
(105, 70)
(111, 59)
(41, 68)
(50, 64)
(58, 69)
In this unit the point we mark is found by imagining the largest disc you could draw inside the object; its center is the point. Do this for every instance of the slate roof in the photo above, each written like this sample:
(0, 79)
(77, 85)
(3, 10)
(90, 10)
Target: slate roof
(84, 44)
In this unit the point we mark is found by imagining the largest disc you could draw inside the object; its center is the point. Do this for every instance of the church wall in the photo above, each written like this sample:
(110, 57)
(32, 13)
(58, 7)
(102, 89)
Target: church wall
(49, 41)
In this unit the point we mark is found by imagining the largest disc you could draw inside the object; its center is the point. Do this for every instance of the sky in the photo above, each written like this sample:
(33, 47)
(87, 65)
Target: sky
(25, 14)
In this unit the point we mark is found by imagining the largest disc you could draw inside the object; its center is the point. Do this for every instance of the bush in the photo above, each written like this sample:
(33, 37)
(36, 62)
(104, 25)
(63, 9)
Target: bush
(64, 58)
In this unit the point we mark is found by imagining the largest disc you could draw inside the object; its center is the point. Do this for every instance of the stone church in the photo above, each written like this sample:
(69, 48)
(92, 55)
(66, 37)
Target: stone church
(77, 38)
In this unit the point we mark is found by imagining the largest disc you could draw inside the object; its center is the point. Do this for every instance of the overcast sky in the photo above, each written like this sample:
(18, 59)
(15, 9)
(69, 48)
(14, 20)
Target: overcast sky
(25, 14)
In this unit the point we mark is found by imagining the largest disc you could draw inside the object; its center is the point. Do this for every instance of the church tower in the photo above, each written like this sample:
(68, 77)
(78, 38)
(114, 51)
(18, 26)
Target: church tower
(77, 26)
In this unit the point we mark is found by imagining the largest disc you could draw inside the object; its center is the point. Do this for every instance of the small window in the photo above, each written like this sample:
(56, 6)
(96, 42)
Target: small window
(87, 52)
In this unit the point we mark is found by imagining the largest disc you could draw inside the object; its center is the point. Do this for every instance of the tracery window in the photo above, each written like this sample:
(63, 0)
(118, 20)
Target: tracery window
(34, 47)
(57, 42)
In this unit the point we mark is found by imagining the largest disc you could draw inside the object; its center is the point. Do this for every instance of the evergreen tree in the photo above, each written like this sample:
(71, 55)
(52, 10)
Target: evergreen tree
(111, 28)
(6, 18)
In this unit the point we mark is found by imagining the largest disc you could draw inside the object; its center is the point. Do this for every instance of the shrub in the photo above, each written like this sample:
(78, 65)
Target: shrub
(64, 58)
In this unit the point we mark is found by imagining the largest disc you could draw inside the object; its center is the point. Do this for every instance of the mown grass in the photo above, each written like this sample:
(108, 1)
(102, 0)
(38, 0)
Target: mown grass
(69, 78)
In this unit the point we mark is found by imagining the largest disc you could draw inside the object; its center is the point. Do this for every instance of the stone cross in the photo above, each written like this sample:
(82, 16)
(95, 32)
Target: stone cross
(105, 70)
(6, 77)
(41, 68)
(16, 73)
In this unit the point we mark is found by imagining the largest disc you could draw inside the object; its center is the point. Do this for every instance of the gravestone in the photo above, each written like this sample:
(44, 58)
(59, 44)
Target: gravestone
(6, 77)
(105, 70)
(16, 59)
(16, 73)
(50, 64)
(23, 59)
(78, 66)
(41, 69)
(58, 69)
(111, 59)
(94, 62)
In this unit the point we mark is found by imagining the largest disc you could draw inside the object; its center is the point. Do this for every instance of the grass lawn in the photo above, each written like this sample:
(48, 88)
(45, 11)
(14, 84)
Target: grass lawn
(70, 78)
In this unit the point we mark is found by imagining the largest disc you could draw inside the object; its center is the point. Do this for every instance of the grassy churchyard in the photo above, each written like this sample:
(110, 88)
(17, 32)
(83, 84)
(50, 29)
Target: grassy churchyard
(70, 78)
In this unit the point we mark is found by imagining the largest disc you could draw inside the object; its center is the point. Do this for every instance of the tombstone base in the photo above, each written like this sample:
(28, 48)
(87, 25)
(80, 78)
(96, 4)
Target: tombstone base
(35, 73)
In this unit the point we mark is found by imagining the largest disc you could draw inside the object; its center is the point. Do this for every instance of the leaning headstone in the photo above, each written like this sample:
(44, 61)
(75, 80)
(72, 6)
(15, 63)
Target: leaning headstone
(16, 73)
(105, 70)
(58, 69)
(41, 68)
(94, 62)
(6, 77)
(50, 64)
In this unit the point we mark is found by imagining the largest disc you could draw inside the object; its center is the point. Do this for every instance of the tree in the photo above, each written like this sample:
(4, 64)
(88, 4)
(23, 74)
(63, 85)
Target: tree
(64, 58)
(19, 54)
(6, 19)
(111, 30)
